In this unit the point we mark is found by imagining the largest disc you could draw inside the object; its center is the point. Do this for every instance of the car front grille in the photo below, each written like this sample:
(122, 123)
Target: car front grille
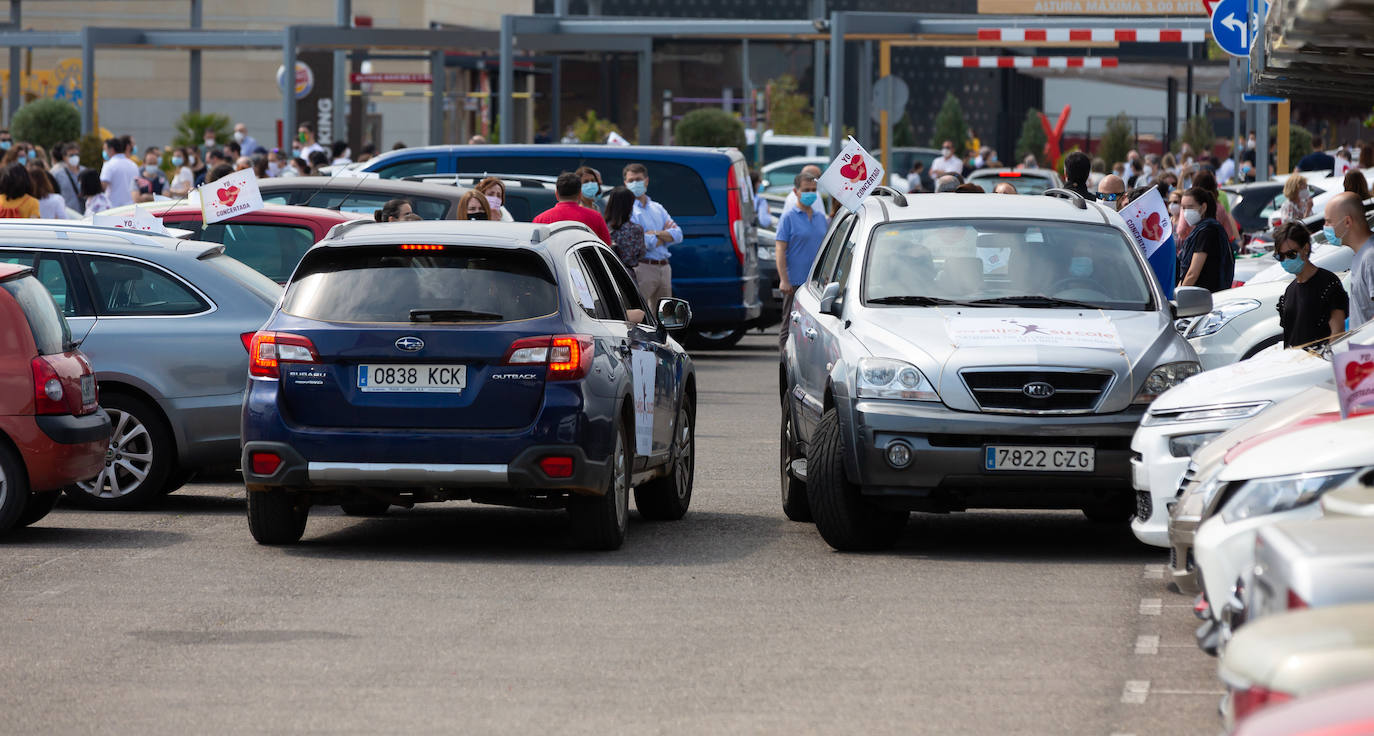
(1144, 505)
(1074, 392)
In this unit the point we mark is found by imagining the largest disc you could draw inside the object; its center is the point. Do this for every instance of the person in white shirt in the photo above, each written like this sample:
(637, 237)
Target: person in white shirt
(51, 206)
(342, 154)
(306, 135)
(817, 206)
(1226, 170)
(118, 173)
(947, 163)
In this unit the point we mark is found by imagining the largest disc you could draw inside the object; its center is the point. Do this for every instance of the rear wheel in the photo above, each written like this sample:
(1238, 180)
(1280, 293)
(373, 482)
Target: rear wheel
(794, 503)
(713, 339)
(138, 462)
(14, 488)
(365, 506)
(277, 517)
(599, 521)
(38, 506)
(667, 498)
(846, 520)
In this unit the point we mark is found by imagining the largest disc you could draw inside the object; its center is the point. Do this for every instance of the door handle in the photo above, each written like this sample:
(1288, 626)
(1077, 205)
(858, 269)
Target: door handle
(810, 333)
(796, 317)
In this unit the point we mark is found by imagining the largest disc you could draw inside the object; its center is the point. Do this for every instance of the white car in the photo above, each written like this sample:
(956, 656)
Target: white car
(1245, 320)
(780, 176)
(1278, 477)
(1195, 412)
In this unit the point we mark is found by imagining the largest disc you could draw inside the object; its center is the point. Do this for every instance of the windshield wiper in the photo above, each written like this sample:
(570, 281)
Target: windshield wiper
(919, 301)
(1036, 300)
(453, 315)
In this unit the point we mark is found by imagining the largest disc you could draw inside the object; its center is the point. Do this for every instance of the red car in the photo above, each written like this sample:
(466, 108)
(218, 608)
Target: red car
(52, 433)
(271, 241)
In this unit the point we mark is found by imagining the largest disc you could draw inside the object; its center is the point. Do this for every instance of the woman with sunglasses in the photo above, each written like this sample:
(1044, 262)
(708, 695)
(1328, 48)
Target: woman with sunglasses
(1315, 304)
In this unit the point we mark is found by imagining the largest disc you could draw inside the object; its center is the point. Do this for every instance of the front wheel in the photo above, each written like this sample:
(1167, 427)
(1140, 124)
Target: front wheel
(794, 503)
(667, 498)
(138, 462)
(846, 520)
(599, 522)
(277, 517)
(713, 339)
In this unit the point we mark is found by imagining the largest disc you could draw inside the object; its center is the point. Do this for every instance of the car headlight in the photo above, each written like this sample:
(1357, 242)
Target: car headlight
(885, 378)
(1219, 317)
(1272, 495)
(767, 253)
(1165, 377)
(1204, 413)
(1185, 445)
(1181, 325)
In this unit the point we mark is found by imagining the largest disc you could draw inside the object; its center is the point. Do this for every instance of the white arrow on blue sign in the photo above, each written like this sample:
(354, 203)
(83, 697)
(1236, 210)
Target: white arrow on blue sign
(1231, 26)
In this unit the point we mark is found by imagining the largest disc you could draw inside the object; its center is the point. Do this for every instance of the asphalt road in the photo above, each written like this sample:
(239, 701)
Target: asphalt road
(458, 618)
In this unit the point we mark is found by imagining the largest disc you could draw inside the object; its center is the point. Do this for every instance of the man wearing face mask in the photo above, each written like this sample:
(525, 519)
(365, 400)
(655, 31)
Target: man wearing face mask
(947, 163)
(5, 140)
(1314, 305)
(246, 142)
(653, 273)
(790, 203)
(799, 237)
(151, 182)
(67, 171)
(1111, 191)
(1345, 225)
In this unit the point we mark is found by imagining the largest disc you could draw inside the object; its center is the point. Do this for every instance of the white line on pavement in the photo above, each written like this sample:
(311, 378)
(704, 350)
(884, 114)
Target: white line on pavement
(1151, 606)
(1154, 572)
(1147, 644)
(1135, 691)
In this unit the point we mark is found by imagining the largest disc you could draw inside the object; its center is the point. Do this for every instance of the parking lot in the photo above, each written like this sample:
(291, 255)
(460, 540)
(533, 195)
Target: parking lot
(464, 618)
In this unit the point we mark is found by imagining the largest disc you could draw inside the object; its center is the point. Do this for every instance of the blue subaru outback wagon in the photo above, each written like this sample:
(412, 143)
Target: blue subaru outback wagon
(513, 364)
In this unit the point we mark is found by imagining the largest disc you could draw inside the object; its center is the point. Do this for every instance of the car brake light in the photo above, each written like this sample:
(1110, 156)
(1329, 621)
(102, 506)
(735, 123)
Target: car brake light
(265, 463)
(269, 349)
(1247, 701)
(1295, 601)
(47, 388)
(556, 466)
(420, 246)
(1009, 174)
(567, 357)
(736, 218)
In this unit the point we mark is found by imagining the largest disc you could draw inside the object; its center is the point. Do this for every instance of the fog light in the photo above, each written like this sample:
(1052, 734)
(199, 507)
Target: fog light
(557, 466)
(264, 463)
(898, 454)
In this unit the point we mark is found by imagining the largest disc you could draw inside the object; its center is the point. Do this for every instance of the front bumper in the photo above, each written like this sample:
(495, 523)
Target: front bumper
(948, 455)
(1157, 473)
(1225, 551)
(1182, 566)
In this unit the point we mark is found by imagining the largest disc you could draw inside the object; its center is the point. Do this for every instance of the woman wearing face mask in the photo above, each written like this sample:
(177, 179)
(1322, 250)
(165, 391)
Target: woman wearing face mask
(591, 187)
(627, 238)
(495, 191)
(184, 178)
(1207, 258)
(474, 206)
(1314, 305)
(1297, 203)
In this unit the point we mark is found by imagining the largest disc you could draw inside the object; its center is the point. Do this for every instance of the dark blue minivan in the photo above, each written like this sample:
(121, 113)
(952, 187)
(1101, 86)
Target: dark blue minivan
(705, 190)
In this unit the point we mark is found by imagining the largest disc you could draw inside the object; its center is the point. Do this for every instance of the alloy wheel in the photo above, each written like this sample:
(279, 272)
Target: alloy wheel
(127, 459)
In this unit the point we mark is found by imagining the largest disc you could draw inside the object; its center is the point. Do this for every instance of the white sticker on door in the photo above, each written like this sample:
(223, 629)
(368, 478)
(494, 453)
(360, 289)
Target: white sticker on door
(644, 369)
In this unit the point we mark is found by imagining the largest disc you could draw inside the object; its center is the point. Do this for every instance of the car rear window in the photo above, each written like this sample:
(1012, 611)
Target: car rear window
(409, 167)
(679, 188)
(1024, 183)
(392, 283)
(368, 203)
(51, 334)
(239, 272)
(272, 250)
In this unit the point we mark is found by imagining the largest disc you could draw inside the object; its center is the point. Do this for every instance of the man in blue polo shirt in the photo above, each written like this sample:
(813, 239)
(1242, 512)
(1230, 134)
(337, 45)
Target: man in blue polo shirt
(799, 237)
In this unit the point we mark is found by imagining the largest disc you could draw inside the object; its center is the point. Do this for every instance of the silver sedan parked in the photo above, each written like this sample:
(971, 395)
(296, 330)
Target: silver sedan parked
(165, 323)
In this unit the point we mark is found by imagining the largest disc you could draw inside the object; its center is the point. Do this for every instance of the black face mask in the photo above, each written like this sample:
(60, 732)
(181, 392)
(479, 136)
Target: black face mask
(477, 215)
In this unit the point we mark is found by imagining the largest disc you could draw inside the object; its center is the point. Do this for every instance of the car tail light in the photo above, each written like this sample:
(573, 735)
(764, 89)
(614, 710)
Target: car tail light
(269, 349)
(557, 466)
(567, 357)
(247, 339)
(264, 463)
(1009, 174)
(421, 246)
(1253, 698)
(736, 217)
(1201, 608)
(1295, 601)
(48, 394)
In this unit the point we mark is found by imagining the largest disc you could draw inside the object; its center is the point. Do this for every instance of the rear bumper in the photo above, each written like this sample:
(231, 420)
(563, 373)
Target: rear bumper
(51, 463)
(65, 429)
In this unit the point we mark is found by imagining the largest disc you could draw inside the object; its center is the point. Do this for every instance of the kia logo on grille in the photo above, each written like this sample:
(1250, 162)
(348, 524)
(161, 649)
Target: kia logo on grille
(1038, 390)
(412, 344)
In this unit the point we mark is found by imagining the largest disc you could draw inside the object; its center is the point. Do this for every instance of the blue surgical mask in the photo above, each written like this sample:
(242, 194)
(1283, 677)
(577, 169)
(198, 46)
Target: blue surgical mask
(1081, 267)
(21, 160)
(1331, 237)
(5, 145)
(590, 189)
(807, 198)
(178, 161)
(1293, 265)
(637, 188)
(105, 154)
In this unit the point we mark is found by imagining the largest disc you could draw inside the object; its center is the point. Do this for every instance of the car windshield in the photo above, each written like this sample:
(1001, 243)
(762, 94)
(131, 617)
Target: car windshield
(997, 262)
(1024, 183)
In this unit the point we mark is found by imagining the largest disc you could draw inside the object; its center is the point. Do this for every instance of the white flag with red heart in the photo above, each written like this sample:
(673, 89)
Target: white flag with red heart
(1148, 220)
(1355, 379)
(230, 196)
(852, 176)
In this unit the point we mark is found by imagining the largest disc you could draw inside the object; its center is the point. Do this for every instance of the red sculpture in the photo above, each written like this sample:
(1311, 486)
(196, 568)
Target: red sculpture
(1052, 136)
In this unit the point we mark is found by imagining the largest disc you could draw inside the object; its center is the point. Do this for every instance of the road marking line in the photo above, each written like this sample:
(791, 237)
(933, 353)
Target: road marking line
(1188, 692)
(1154, 572)
(1147, 644)
(1151, 606)
(1135, 691)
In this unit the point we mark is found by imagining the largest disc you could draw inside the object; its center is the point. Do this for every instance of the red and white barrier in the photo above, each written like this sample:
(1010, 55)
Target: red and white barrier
(1031, 62)
(1136, 35)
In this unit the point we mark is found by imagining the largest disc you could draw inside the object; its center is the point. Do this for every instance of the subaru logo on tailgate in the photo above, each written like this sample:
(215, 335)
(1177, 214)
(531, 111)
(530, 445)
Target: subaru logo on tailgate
(411, 344)
(1038, 390)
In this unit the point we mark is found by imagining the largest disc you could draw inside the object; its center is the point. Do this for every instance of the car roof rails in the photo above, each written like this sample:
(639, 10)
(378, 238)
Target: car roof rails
(1068, 194)
(897, 197)
(343, 228)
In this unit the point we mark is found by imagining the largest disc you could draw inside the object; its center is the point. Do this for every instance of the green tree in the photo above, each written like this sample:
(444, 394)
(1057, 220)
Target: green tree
(591, 129)
(710, 126)
(788, 111)
(45, 122)
(950, 125)
(191, 127)
(1033, 138)
(1117, 139)
(903, 134)
(91, 146)
(1299, 143)
(1197, 133)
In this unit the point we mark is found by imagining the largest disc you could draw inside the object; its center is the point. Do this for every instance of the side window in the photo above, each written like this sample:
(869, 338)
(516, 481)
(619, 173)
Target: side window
(271, 250)
(49, 271)
(276, 197)
(830, 252)
(610, 302)
(626, 287)
(583, 290)
(846, 257)
(129, 288)
(409, 167)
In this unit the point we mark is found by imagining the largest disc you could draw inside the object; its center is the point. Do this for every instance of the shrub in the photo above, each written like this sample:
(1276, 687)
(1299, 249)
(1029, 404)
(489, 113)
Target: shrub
(788, 111)
(591, 129)
(1033, 138)
(1299, 143)
(950, 125)
(45, 122)
(1117, 140)
(91, 146)
(709, 126)
(1197, 133)
(191, 128)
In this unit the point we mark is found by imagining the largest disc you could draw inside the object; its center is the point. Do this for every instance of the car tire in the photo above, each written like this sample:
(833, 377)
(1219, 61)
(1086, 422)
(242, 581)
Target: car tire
(846, 520)
(599, 522)
(365, 507)
(1110, 511)
(14, 488)
(795, 505)
(277, 517)
(141, 445)
(667, 498)
(38, 506)
(1264, 344)
(177, 479)
(713, 339)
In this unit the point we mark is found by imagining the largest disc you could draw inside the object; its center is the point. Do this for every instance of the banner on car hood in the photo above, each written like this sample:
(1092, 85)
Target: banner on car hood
(968, 332)
(1355, 380)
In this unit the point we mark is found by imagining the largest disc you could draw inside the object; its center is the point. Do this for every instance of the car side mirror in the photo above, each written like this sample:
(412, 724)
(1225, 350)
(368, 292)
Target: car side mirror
(830, 297)
(1191, 301)
(674, 314)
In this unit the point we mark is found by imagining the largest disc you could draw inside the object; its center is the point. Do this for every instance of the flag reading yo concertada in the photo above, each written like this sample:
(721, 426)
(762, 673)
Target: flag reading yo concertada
(1148, 220)
(232, 195)
(852, 176)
